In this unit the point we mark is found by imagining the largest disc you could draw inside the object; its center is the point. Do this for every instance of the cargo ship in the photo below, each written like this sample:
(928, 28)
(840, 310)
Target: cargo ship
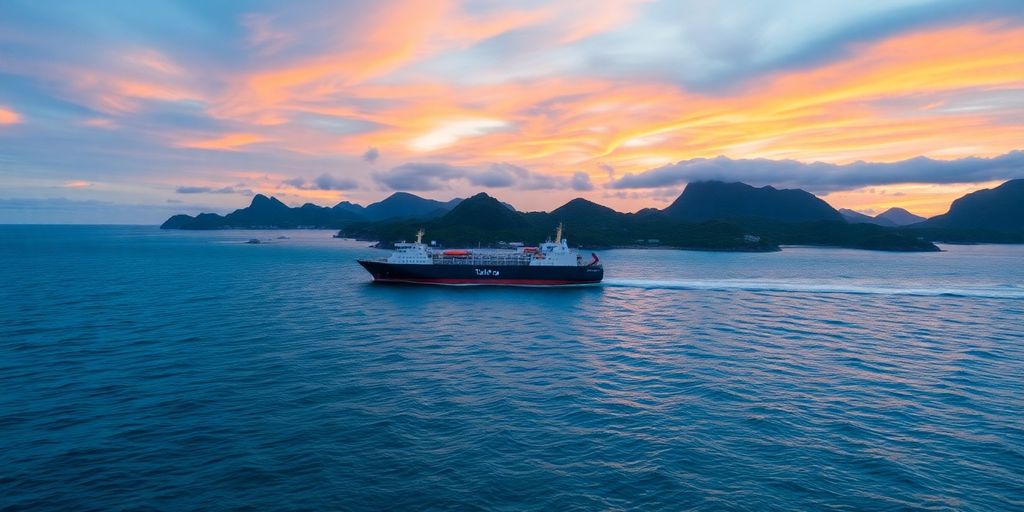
(551, 263)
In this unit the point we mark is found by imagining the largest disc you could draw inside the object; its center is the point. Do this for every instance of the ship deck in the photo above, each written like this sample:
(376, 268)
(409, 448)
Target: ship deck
(482, 259)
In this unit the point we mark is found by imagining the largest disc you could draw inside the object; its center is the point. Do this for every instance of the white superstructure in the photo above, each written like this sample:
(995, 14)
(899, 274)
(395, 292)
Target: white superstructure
(413, 254)
(549, 254)
(557, 253)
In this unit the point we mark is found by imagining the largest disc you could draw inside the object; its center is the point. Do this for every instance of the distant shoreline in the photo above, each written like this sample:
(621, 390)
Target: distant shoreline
(707, 216)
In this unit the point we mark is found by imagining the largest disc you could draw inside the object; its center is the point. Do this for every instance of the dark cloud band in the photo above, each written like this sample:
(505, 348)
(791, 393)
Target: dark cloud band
(211, 190)
(826, 177)
(422, 177)
(323, 182)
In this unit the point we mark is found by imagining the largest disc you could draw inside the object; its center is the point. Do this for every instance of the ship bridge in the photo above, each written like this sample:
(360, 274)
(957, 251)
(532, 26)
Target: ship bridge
(556, 253)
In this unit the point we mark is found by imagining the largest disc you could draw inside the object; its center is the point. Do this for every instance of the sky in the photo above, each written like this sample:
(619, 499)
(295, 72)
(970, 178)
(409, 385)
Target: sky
(127, 111)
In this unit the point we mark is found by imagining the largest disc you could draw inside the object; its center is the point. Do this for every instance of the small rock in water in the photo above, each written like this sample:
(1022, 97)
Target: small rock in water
(253, 241)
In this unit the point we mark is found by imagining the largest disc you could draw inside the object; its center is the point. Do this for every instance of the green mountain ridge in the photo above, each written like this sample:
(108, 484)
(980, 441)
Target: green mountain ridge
(484, 212)
(707, 215)
(1000, 208)
(993, 215)
(892, 217)
(899, 217)
(269, 212)
(482, 219)
(711, 200)
(855, 217)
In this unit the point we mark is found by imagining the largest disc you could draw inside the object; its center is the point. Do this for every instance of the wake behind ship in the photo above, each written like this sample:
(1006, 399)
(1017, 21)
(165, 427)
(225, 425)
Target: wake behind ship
(552, 263)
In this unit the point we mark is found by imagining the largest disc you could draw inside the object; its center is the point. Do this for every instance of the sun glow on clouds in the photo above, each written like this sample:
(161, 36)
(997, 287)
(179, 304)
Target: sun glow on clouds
(451, 132)
(8, 116)
(99, 122)
(827, 114)
(922, 199)
(541, 85)
(229, 142)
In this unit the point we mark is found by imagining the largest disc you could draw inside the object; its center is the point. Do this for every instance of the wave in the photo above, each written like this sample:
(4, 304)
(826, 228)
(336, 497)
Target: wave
(1005, 291)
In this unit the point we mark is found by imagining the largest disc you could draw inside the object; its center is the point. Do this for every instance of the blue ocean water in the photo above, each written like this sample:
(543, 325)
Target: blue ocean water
(147, 369)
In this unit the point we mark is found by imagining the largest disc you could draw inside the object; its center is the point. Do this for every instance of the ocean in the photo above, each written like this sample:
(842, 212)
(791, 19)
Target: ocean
(175, 370)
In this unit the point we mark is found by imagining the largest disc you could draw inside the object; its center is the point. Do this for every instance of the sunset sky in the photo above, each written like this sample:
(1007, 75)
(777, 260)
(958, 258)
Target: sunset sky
(128, 111)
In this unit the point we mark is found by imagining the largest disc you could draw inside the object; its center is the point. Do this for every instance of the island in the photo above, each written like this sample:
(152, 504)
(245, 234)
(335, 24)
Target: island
(709, 215)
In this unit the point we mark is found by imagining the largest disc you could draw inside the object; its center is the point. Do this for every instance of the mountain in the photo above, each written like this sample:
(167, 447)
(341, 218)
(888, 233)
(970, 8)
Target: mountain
(180, 221)
(353, 208)
(476, 220)
(713, 200)
(482, 219)
(710, 215)
(262, 211)
(484, 212)
(592, 224)
(855, 217)
(899, 217)
(644, 212)
(997, 209)
(581, 210)
(890, 218)
(403, 205)
(269, 212)
(265, 212)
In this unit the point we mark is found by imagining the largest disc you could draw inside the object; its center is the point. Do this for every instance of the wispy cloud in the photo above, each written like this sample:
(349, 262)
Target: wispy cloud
(323, 182)
(521, 97)
(434, 176)
(580, 182)
(227, 142)
(214, 190)
(420, 177)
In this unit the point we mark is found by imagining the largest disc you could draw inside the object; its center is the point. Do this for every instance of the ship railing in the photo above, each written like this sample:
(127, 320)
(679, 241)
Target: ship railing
(484, 259)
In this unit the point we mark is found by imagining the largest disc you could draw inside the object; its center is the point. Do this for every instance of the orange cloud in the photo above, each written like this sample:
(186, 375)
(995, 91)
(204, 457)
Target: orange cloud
(229, 142)
(563, 125)
(263, 35)
(582, 20)
(152, 61)
(99, 122)
(388, 37)
(886, 101)
(8, 116)
(827, 114)
(116, 88)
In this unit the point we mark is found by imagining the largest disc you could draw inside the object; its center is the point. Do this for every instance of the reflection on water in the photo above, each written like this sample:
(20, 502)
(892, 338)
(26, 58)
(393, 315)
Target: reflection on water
(141, 368)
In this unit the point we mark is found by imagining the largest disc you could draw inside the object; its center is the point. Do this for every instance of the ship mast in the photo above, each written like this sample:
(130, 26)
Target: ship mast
(419, 236)
(558, 234)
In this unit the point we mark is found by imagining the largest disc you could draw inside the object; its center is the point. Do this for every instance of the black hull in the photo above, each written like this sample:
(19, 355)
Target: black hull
(512, 275)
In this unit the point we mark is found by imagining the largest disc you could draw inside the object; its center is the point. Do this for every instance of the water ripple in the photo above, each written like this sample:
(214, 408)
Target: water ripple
(178, 371)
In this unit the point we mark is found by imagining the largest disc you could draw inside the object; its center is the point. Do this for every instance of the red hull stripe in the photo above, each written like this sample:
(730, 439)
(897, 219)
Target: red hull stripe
(527, 282)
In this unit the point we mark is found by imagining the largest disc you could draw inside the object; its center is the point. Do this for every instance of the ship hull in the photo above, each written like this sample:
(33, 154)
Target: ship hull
(507, 275)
